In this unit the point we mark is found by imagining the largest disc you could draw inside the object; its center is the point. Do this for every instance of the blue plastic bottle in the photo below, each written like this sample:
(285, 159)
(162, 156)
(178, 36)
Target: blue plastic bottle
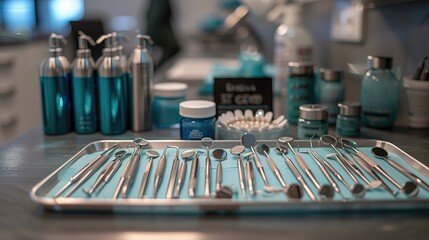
(379, 94)
(165, 105)
(55, 89)
(83, 86)
(111, 88)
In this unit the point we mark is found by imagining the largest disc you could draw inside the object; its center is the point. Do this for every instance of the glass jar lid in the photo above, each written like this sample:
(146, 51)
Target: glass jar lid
(300, 68)
(350, 109)
(331, 74)
(197, 109)
(377, 62)
(313, 112)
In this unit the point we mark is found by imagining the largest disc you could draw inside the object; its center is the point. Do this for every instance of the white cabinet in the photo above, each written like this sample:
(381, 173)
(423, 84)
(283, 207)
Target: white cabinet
(20, 107)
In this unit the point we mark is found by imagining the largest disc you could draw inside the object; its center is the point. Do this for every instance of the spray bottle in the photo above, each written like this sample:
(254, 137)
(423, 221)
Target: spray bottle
(292, 42)
(83, 87)
(111, 89)
(55, 89)
(141, 69)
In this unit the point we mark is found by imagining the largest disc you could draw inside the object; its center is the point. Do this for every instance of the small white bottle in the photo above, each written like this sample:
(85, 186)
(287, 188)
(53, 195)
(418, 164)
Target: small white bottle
(292, 43)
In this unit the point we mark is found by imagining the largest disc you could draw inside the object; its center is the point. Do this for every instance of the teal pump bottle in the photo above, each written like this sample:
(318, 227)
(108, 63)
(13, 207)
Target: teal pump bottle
(125, 73)
(83, 88)
(111, 89)
(379, 94)
(55, 89)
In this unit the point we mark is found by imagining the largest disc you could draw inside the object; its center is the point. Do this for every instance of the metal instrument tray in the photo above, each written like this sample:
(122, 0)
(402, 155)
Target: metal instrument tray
(375, 199)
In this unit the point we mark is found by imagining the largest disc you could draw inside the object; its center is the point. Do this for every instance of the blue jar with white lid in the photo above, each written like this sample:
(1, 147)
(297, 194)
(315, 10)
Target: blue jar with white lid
(348, 119)
(198, 119)
(300, 88)
(313, 120)
(165, 104)
(379, 93)
(331, 91)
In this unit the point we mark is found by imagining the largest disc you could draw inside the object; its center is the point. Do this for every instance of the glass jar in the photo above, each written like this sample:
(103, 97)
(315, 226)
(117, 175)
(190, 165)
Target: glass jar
(348, 119)
(300, 87)
(198, 119)
(379, 94)
(331, 91)
(313, 120)
(165, 104)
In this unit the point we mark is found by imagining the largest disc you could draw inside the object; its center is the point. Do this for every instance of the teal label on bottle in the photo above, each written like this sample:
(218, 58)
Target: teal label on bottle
(84, 105)
(307, 129)
(300, 92)
(348, 126)
(56, 104)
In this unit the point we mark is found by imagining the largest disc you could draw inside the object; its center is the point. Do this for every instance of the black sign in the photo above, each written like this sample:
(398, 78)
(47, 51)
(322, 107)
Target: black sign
(243, 93)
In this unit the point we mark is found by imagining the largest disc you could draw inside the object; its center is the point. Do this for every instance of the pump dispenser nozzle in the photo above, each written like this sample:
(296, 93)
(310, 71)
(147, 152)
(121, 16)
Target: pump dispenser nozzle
(84, 40)
(109, 40)
(55, 40)
(141, 40)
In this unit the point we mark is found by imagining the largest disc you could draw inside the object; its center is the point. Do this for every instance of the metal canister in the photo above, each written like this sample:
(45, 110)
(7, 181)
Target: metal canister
(83, 86)
(141, 70)
(55, 89)
(111, 89)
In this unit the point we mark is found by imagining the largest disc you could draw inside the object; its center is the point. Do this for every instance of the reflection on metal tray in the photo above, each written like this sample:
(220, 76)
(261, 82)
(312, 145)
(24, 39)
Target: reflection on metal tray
(378, 198)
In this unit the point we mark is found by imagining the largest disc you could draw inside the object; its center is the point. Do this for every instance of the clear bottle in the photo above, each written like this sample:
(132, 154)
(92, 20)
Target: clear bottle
(165, 105)
(348, 119)
(331, 91)
(300, 87)
(198, 119)
(313, 120)
(379, 94)
(292, 43)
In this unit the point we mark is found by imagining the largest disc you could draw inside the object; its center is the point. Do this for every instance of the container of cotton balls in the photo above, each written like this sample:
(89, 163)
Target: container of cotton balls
(233, 124)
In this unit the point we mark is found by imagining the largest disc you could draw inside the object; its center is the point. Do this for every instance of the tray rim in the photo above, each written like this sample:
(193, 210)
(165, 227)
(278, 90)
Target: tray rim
(60, 204)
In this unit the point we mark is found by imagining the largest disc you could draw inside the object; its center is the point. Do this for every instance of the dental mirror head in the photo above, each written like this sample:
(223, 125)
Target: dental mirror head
(219, 154)
(410, 189)
(187, 154)
(237, 150)
(345, 142)
(294, 191)
(140, 141)
(358, 190)
(248, 140)
(327, 191)
(152, 153)
(248, 155)
(120, 153)
(206, 143)
(379, 152)
(328, 140)
(281, 150)
(285, 140)
(224, 192)
(262, 148)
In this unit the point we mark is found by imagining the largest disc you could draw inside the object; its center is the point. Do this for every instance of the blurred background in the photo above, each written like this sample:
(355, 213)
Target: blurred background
(345, 32)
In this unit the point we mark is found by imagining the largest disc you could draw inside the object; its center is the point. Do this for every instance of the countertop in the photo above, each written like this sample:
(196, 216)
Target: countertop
(30, 158)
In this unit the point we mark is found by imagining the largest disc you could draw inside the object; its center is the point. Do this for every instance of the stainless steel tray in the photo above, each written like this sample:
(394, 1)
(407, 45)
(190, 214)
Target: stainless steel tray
(42, 192)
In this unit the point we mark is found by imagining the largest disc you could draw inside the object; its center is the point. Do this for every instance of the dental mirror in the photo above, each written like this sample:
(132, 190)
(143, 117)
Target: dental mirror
(187, 154)
(219, 154)
(152, 153)
(237, 150)
(409, 188)
(206, 143)
(328, 140)
(248, 140)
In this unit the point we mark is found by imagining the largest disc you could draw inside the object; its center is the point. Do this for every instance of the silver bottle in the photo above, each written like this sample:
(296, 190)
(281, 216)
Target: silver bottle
(111, 89)
(141, 73)
(54, 78)
(83, 86)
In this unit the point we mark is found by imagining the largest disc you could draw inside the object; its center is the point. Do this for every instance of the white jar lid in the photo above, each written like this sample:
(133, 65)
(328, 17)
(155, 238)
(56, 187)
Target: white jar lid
(170, 89)
(197, 109)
